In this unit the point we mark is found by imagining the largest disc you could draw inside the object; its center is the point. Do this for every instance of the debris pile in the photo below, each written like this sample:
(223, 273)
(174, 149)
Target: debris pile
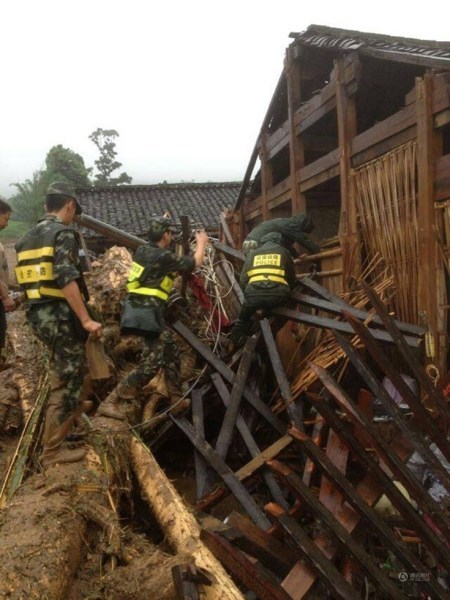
(303, 487)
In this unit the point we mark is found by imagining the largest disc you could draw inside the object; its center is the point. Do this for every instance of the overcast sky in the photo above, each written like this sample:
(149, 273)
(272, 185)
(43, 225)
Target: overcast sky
(186, 83)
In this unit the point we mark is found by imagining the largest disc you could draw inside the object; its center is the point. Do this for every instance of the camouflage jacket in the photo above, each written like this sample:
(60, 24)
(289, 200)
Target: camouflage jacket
(291, 228)
(157, 263)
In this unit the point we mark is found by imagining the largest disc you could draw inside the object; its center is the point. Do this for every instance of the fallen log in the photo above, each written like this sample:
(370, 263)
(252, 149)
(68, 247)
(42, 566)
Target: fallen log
(178, 524)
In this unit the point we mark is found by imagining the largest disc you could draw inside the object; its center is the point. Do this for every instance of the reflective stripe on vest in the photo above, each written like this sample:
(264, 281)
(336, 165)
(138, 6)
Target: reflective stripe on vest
(35, 268)
(267, 267)
(134, 285)
(268, 278)
(37, 294)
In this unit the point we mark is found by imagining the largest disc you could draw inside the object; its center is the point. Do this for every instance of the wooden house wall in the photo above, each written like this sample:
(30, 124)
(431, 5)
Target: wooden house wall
(312, 142)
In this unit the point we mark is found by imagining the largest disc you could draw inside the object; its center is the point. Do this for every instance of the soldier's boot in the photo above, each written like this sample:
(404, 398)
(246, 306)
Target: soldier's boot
(56, 429)
(81, 428)
(53, 452)
(115, 405)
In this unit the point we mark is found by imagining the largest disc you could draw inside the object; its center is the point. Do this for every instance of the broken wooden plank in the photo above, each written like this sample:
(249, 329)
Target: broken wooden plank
(405, 351)
(250, 443)
(228, 250)
(228, 375)
(226, 230)
(404, 555)
(326, 516)
(246, 471)
(201, 466)
(416, 438)
(401, 503)
(385, 449)
(335, 325)
(221, 468)
(423, 418)
(251, 574)
(185, 588)
(229, 421)
(335, 308)
(272, 553)
(329, 574)
(292, 409)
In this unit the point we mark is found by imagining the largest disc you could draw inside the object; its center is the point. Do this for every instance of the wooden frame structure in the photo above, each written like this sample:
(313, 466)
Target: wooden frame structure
(357, 134)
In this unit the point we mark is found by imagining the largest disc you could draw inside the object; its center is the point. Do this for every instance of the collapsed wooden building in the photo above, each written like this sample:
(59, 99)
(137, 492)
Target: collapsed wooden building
(320, 471)
(357, 134)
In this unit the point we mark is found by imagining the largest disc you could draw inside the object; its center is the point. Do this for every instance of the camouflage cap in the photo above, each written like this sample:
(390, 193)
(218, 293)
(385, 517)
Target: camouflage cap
(64, 189)
(159, 225)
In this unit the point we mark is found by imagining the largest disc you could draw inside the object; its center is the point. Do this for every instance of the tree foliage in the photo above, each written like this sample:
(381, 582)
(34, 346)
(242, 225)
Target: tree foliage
(28, 202)
(62, 164)
(106, 164)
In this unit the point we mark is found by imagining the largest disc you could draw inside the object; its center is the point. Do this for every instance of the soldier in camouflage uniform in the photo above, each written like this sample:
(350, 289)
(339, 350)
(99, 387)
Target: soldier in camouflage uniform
(48, 270)
(267, 277)
(149, 285)
(292, 229)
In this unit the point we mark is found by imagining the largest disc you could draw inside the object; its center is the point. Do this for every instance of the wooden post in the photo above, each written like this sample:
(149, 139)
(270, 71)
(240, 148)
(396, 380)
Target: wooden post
(348, 231)
(266, 177)
(296, 151)
(431, 288)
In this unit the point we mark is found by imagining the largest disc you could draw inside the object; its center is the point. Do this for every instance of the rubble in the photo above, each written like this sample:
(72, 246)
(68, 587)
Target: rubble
(291, 473)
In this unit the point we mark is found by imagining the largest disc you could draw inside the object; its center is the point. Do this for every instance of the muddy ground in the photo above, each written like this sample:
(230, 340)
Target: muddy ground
(53, 543)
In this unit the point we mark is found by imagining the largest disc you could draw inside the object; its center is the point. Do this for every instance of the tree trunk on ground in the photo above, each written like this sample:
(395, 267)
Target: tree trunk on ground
(178, 524)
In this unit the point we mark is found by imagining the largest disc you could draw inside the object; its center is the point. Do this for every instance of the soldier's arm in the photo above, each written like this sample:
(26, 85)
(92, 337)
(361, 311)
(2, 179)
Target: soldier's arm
(73, 296)
(66, 273)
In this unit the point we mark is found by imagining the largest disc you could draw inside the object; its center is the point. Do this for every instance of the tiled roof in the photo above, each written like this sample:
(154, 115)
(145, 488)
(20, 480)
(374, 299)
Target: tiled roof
(129, 207)
(331, 38)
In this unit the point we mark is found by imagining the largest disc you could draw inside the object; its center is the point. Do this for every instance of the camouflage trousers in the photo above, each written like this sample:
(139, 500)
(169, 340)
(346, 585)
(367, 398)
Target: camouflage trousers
(160, 352)
(51, 322)
(256, 299)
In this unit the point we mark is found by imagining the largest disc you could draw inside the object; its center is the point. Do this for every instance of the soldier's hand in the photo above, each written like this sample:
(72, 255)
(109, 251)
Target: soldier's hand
(201, 237)
(93, 327)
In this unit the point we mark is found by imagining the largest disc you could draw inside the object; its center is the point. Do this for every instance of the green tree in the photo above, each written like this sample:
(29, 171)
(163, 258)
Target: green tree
(106, 164)
(28, 202)
(63, 164)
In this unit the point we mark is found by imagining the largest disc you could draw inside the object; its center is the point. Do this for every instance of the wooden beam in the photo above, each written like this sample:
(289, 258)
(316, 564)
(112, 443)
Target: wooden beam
(409, 357)
(228, 375)
(266, 176)
(251, 574)
(335, 325)
(404, 555)
(348, 226)
(327, 517)
(292, 409)
(229, 421)
(272, 553)
(296, 150)
(422, 416)
(401, 503)
(384, 448)
(226, 474)
(416, 438)
(363, 315)
(252, 446)
(428, 252)
(329, 574)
